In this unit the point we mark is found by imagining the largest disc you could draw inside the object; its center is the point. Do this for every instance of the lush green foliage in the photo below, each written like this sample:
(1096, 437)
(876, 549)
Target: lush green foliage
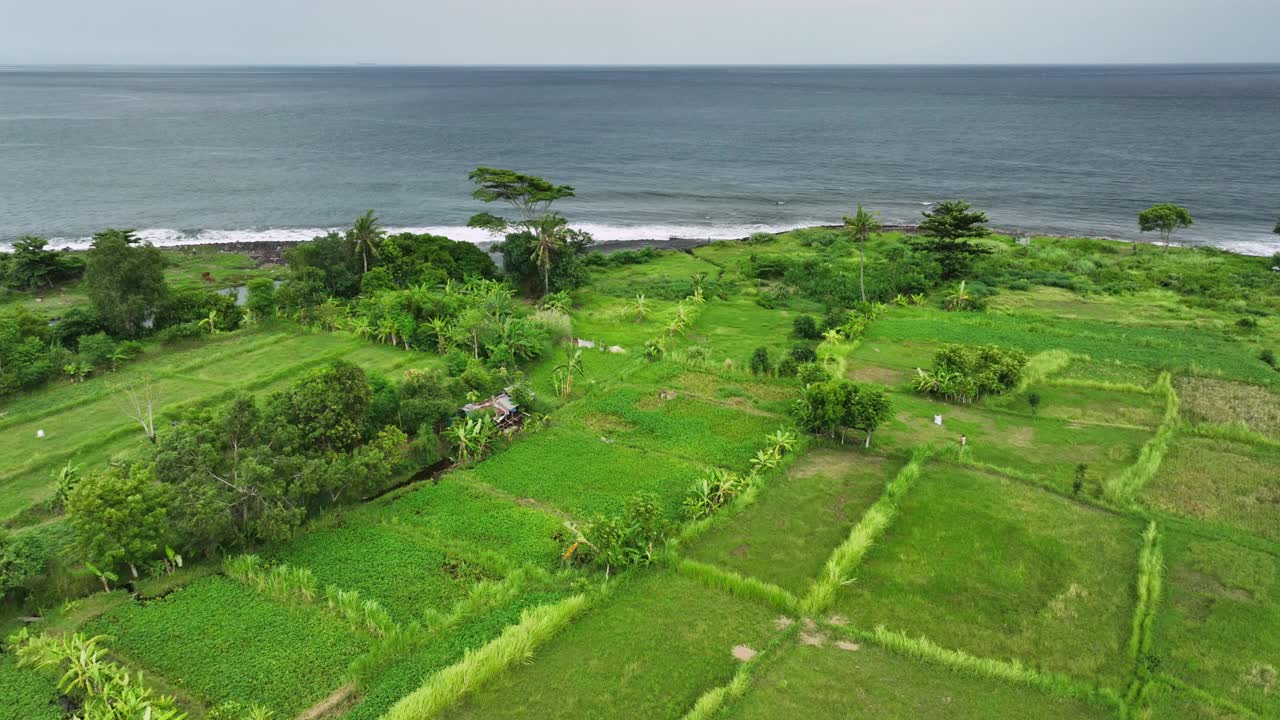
(222, 642)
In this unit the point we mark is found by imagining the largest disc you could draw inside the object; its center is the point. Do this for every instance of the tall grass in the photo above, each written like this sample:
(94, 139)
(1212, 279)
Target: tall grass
(735, 584)
(1010, 671)
(1150, 586)
(1123, 488)
(1101, 385)
(714, 701)
(515, 644)
(849, 553)
(1043, 364)
(1233, 432)
(285, 583)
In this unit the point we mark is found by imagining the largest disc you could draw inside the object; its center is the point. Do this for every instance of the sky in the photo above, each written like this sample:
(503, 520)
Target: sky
(629, 32)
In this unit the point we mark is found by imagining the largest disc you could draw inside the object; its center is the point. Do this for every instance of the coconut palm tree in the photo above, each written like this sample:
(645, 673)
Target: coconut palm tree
(550, 232)
(365, 235)
(863, 224)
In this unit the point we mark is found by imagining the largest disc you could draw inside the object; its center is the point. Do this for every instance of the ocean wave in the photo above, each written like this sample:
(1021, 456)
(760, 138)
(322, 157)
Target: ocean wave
(168, 237)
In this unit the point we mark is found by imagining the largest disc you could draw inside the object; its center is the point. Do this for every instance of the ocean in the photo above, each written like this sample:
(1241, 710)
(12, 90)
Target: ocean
(282, 153)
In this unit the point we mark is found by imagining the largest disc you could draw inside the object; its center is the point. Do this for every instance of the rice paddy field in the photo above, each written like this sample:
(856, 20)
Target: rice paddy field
(914, 578)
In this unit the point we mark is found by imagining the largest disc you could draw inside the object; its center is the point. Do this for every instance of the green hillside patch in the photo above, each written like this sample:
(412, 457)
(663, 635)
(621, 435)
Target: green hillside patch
(646, 653)
(472, 521)
(443, 649)
(786, 535)
(1152, 347)
(701, 430)
(1222, 482)
(579, 473)
(1167, 703)
(221, 642)
(734, 387)
(1217, 628)
(999, 569)
(732, 329)
(1046, 447)
(406, 574)
(26, 693)
(825, 677)
(1086, 405)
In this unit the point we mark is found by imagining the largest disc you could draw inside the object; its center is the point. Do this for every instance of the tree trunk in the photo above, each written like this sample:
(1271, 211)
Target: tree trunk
(862, 269)
(364, 253)
(868, 444)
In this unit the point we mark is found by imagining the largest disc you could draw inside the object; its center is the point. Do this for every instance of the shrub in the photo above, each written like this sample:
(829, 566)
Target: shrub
(803, 354)
(811, 372)
(628, 538)
(787, 367)
(760, 363)
(179, 332)
(965, 373)
(97, 348)
(804, 326)
(1247, 323)
(1268, 356)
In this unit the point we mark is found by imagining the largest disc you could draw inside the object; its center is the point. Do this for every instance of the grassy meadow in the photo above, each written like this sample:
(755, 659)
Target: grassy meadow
(914, 578)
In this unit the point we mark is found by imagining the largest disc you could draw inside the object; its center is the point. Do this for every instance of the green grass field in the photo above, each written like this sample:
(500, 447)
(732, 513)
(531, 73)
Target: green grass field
(1002, 570)
(819, 678)
(1216, 631)
(87, 423)
(785, 537)
(987, 587)
(647, 652)
(219, 641)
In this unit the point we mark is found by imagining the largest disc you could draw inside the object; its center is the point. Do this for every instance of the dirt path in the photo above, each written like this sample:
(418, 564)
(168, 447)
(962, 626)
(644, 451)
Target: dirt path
(327, 707)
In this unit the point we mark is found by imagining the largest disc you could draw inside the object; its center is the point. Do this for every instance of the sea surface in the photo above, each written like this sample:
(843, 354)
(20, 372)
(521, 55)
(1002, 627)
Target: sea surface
(269, 153)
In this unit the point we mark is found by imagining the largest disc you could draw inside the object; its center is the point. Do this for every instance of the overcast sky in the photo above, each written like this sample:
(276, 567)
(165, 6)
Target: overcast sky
(637, 31)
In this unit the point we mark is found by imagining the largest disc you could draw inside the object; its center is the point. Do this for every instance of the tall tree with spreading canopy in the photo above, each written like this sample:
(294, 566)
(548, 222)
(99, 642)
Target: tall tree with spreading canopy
(538, 241)
(120, 516)
(946, 231)
(863, 224)
(1165, 218)
(124, 281)
(365, 235)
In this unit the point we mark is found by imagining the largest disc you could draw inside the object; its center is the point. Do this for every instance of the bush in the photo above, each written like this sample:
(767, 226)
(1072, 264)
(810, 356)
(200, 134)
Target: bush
(180, 332)
(811, 372)
(965, 373)
(97, 349)
(787, 367)
(804, 326)
(760, 363)
(629, 538)
(803, 354)
(1268, 356)
(1247, 323)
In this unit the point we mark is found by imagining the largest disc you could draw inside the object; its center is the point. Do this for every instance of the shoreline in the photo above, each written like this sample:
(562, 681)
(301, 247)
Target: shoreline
(266, 252)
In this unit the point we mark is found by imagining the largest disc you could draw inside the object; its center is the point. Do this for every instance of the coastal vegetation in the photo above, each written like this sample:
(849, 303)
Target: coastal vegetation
(933, 473)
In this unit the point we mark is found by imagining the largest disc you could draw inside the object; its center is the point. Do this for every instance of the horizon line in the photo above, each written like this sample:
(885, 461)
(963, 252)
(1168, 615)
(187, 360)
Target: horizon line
(1101, 64)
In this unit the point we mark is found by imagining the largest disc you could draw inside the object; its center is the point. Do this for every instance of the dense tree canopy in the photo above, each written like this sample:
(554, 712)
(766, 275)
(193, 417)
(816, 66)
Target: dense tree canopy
(124, 281)
(828, 407)
(120, 516)
(31, 266)
(946, 231)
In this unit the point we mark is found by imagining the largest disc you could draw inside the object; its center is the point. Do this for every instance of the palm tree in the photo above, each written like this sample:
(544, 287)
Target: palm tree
(567, 370)
(863, 224)
(550, 232)
(364, 235)
(440, 327)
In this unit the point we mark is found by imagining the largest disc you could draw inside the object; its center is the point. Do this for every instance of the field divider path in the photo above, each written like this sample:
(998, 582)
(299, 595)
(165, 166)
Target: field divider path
(1206, 697)
(510, 497)
(922, 649)
(1123, 488)
(874, 521)
(517, 643)
(714, 702)
(740, 585)
(962, 457)
(1149, 589)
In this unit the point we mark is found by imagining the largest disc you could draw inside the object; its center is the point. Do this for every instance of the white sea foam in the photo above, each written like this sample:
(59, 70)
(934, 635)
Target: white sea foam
(166, 237)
